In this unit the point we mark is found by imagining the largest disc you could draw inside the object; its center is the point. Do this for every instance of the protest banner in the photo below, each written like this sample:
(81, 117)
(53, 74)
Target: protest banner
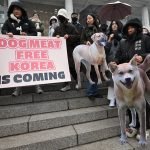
(32, 60)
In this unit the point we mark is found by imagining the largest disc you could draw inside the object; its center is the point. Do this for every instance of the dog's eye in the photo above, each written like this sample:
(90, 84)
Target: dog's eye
(120, 73)
(130, 71)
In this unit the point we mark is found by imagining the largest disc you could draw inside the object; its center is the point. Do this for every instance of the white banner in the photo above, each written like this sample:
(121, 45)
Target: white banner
(32, 60)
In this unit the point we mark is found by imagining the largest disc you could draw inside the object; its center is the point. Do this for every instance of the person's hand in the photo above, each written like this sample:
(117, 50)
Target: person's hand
(88, 43)
(111, 37)
(10, 34)
(23, 33)
(138, 59)
(66, 36)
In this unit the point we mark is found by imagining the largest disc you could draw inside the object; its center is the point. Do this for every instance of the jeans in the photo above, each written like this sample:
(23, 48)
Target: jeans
(92, 89)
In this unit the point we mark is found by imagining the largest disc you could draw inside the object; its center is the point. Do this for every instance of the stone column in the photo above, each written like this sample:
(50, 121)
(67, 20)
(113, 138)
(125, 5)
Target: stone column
(5, 8)
(145, 16)
(9, 2)
(69, 7)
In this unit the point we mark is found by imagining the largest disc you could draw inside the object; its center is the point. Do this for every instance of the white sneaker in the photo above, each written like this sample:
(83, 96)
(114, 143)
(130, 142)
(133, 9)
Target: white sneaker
(17, 91)
(112, 103)
(66, 88)
(38, 89)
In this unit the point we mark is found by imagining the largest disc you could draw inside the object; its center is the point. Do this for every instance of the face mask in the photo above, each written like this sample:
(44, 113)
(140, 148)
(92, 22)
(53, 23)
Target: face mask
(61, 19)
(74, 19)
(53, 21)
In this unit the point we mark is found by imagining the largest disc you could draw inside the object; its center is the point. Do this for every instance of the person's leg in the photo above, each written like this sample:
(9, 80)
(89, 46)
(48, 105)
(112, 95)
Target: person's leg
(92, 89)
(17, 91)
(111, 96)
(73, 72)
(66, 87)
(132, 131)
(133, 115)
(38, 89)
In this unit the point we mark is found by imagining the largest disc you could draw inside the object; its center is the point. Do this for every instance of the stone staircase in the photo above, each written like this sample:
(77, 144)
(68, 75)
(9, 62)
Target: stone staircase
(59, 121)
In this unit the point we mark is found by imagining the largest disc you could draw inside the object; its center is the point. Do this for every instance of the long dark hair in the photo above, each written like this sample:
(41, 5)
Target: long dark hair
(95, 23)
(119, 24)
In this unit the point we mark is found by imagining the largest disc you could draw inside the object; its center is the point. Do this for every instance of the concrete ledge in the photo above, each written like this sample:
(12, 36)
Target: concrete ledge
(32, 108)
(134, 143)
(56, 95)
(8, 100)
(13, 126)
(85, 102)
(54, 139)
(58, 119)
(46, 96)
(97, 130)
(111, 112)
(108, 144)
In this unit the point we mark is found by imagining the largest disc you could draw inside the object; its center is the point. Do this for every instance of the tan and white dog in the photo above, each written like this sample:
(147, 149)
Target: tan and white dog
(145, 66)
(130, 84)
(91, 55)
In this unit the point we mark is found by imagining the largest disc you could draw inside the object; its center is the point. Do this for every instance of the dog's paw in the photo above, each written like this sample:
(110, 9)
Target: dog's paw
(99, 82)
(123, 140)
(142, 142)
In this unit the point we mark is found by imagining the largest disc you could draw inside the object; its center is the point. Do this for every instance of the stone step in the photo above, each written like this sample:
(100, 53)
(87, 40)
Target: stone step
(19, 110)
(97, 130)
(64, 137)
(112, 144)
(20, 125)
(46, 96)
(53, 139)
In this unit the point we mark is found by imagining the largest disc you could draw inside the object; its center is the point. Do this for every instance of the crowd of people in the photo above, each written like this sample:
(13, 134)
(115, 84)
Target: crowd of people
(123, 41)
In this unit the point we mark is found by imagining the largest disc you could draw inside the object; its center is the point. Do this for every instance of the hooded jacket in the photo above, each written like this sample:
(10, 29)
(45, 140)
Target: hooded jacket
(52, 27)
(17, 25)
(135, 23)
(131, 45)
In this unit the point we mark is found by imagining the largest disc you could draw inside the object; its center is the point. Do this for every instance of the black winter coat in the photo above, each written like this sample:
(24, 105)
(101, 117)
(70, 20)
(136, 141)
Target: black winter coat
(128, 48)
(12, 26)
(87, 33)
(25, 25)
(69, 29)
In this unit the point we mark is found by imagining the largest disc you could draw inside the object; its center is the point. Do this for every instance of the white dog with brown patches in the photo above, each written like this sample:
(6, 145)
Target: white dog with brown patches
(130, 84)
(91, 55)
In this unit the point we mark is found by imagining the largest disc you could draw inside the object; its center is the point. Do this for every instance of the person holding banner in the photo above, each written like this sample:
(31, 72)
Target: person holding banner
(69, 32)
(19, 24)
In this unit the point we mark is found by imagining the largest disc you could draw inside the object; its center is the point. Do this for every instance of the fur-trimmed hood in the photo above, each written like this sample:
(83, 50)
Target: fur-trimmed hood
(51, 18)
(18, 4)
(133, 22)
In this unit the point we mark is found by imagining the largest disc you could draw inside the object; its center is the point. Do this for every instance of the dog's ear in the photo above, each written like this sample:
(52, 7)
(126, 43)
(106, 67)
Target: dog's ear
(113, 66)
(133, 60)
(93, 36)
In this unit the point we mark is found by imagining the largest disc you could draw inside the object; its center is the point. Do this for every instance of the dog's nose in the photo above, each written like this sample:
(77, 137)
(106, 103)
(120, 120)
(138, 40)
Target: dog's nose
(128, 79)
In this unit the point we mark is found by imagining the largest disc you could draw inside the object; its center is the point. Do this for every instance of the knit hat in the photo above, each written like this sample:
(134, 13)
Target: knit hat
(63, 12)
